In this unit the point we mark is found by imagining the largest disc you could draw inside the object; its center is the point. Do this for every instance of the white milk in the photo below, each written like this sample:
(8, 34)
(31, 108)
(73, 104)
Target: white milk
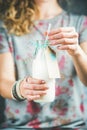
(39, 71)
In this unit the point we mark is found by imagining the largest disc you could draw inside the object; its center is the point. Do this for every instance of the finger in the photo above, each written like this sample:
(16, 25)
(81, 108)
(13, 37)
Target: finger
(35, 86)
(72, 49)
(64, 41)
(35, 97)
(28, 92)
(33, 92)
(67, 47)
(62, 29)
(34, 81)
(63, 35)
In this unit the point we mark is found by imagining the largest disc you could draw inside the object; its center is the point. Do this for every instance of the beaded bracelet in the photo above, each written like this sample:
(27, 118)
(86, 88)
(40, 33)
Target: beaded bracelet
(15, 92)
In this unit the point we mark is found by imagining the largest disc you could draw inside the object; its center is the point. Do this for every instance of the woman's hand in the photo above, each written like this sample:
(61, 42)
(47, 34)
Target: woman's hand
(66, 38)
(32, 89)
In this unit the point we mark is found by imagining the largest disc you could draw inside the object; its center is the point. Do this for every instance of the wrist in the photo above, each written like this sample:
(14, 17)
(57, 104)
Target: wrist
(15, 92)
(77, 52)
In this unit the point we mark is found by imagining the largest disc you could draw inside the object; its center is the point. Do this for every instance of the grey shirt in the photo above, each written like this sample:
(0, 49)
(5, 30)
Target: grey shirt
(68, 106)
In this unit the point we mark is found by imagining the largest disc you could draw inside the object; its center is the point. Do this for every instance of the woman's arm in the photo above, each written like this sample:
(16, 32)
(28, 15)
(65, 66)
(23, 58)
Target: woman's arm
(80, 62)
(30, 88)
(68, 38)
(7, 74)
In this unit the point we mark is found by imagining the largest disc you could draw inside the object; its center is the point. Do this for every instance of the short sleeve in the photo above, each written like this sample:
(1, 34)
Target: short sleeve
(4, 47)
(83, 30)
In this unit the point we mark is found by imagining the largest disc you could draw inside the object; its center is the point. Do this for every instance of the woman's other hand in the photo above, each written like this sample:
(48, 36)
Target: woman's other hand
(66, 38)
(32, 89)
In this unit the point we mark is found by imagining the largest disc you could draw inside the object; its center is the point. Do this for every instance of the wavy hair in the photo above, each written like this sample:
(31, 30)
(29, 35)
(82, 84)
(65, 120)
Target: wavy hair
(18, 15)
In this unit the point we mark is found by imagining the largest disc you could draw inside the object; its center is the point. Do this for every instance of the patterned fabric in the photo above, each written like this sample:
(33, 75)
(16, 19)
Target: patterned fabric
(68, 106)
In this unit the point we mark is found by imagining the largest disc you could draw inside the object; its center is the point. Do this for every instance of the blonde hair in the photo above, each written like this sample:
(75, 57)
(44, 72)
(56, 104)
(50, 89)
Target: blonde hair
(18, 15)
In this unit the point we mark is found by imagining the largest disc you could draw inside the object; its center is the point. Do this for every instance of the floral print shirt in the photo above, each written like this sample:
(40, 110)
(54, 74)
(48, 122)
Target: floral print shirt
(68, 106)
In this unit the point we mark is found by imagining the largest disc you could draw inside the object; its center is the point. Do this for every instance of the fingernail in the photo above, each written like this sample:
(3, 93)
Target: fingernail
(43, 81)
(52, 43)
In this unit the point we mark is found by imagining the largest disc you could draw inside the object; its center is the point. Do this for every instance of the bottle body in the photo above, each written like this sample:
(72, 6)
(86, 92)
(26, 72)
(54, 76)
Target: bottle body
(50, 95)
(40, 71)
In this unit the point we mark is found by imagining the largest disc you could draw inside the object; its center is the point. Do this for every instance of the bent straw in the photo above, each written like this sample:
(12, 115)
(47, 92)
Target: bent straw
(48, 30)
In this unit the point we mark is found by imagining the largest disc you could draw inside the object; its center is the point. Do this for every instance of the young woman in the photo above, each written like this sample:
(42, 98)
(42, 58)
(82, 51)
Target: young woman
(22, 23)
